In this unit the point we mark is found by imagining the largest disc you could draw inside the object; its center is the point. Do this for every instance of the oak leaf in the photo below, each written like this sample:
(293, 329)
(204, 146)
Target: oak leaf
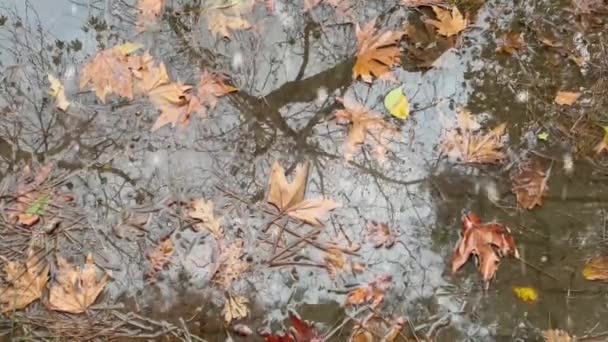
(235, 307)
(57, 91)
(289, 197)
(149, 12)
(220, 24)
(202, 211)
(75, 289)
(466, 143)
(231, 265)
(449, 22)
(596, 269)
(366, 127)
(160, 256)
(530, 185)
(176, 104)
(566, 98)
(26, 281)
(488, 242)
(377, 53)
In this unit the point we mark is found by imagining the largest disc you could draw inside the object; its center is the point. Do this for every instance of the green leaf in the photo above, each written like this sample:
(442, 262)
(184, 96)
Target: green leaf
(544, 136)
(396, 103)
(37, 208)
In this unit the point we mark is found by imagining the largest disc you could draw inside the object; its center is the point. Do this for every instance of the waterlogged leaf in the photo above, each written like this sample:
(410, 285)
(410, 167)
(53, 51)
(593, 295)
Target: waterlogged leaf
(230, 264)
(148, 74)
(366, 128)
(302, 330)
(25, 282)
(544, 136)
(334, 261)
(603, 144)
(211, 87)
(75, 289)
(235, 307)
(160, 256)
(396, 103)
(203, 211)
(555, 335)
(596, 269)
(149, 12)
(222, 25)
(377, 52)
(57, 91)
(511, 43)
(488, 242)
(379, 234)
(372, 293)
(449, 22)
(176, 103)
(526, 294)
(30, 202)
(566, 98)
(530, 184)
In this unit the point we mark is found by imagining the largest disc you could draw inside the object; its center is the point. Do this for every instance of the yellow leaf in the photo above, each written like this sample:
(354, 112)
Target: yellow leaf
(58, 92)
(396, 103)
(448, 23)
(526, 294)
(566, 98)
(596, 269)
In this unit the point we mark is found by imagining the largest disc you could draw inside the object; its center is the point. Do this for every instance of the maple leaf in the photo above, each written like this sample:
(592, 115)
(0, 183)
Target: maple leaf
(149, 11)
(566, 98)
(289, 197)
(467, 144)
(148, 75)
(489, 242)
(302, 330)
(530, 185)
(377, 53)
(366, 126)
(57, 91)
(235, 307)
(372, 293)
(380, 235)
(176, 104)
(203, 211)
(160, 256)
(449, 22)
(511, 43)
(26, 281)
(230, 264)
(75, 289)
(220, 24)
(30, 203)
(596, 269)
(110, 72)
(211, 86)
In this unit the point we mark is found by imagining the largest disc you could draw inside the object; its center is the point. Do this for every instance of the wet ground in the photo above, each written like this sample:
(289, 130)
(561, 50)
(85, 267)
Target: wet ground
(289, 70)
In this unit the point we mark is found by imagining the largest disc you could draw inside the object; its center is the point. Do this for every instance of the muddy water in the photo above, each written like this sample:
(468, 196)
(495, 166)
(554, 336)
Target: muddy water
(290, 70)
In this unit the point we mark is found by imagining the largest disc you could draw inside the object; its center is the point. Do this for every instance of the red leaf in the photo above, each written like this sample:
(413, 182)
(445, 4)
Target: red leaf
(302, 330)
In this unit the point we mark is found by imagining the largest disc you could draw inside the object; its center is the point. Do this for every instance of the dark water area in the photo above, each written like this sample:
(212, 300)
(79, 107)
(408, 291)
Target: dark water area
(290, 69)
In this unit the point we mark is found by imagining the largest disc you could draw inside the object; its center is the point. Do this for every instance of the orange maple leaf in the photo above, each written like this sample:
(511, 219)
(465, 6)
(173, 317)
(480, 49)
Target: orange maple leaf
(211, 86)
(109, 72)
(377, 53)
(449, 22)
(176, 104)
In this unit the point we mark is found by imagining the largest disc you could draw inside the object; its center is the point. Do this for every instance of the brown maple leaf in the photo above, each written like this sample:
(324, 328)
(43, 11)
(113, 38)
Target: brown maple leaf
(160, 256)
(372, 293)
(289, 197)
(488, 242)
(449, 22)
(377, 53)
(25, 282)
(75, 289)
(202, 211)
(220, 24)
(148, 75)
(211, 86)
(466, 143)
(511, 42)
(366, 127)
(176, 104)
(230, 264)
(149, 11)
(530, 185)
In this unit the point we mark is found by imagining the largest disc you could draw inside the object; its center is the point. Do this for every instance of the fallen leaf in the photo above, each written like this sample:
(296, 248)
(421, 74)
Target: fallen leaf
(449, 22)
(30, 202)
(231, 265)
(372, 293)
(149, 12)
(530, 185)
(424, 46)
(235, 307)
(289, 197)
(334, 261)
(176, 104)
(203, 211)
(242, 330)
(566, 98)
(380, 329)
(303, 331)
(420, 3)
(75, 289)
(377, 53)
(211, 86)
(220, 24)
(526, 294)
(555, 335)
(596, 269)
(148, 74)
(603, 144)
(488, 242)
(380, 235)
(366, 126)
(57, 91)
(160, 256)
(396, 103)
(467, 144)
(544, 136)
(26, 281)
(511, 42)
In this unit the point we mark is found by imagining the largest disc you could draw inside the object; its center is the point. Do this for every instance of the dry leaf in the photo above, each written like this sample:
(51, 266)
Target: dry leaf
(160, 256)
(203, 211)
(148, 75)
(424, 46)
(566, 98)
(25, 282)
(30, 203)
(420, 3)
(220, 24)
(235, 307)
(380, 235)
(488, 242)
(470, 146)
(366, 126)
(603, 144)
(334, 261)
(555, 335)
(289, 197)
(380, 329)
(231, 265)
(372, 293)
(530, 185)
(596, 269)
(57, 91)
(75, 289)
(211, 86)
(176, 103)
(149, 12)
(449, 22)
(377, 53)
(511, 43)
